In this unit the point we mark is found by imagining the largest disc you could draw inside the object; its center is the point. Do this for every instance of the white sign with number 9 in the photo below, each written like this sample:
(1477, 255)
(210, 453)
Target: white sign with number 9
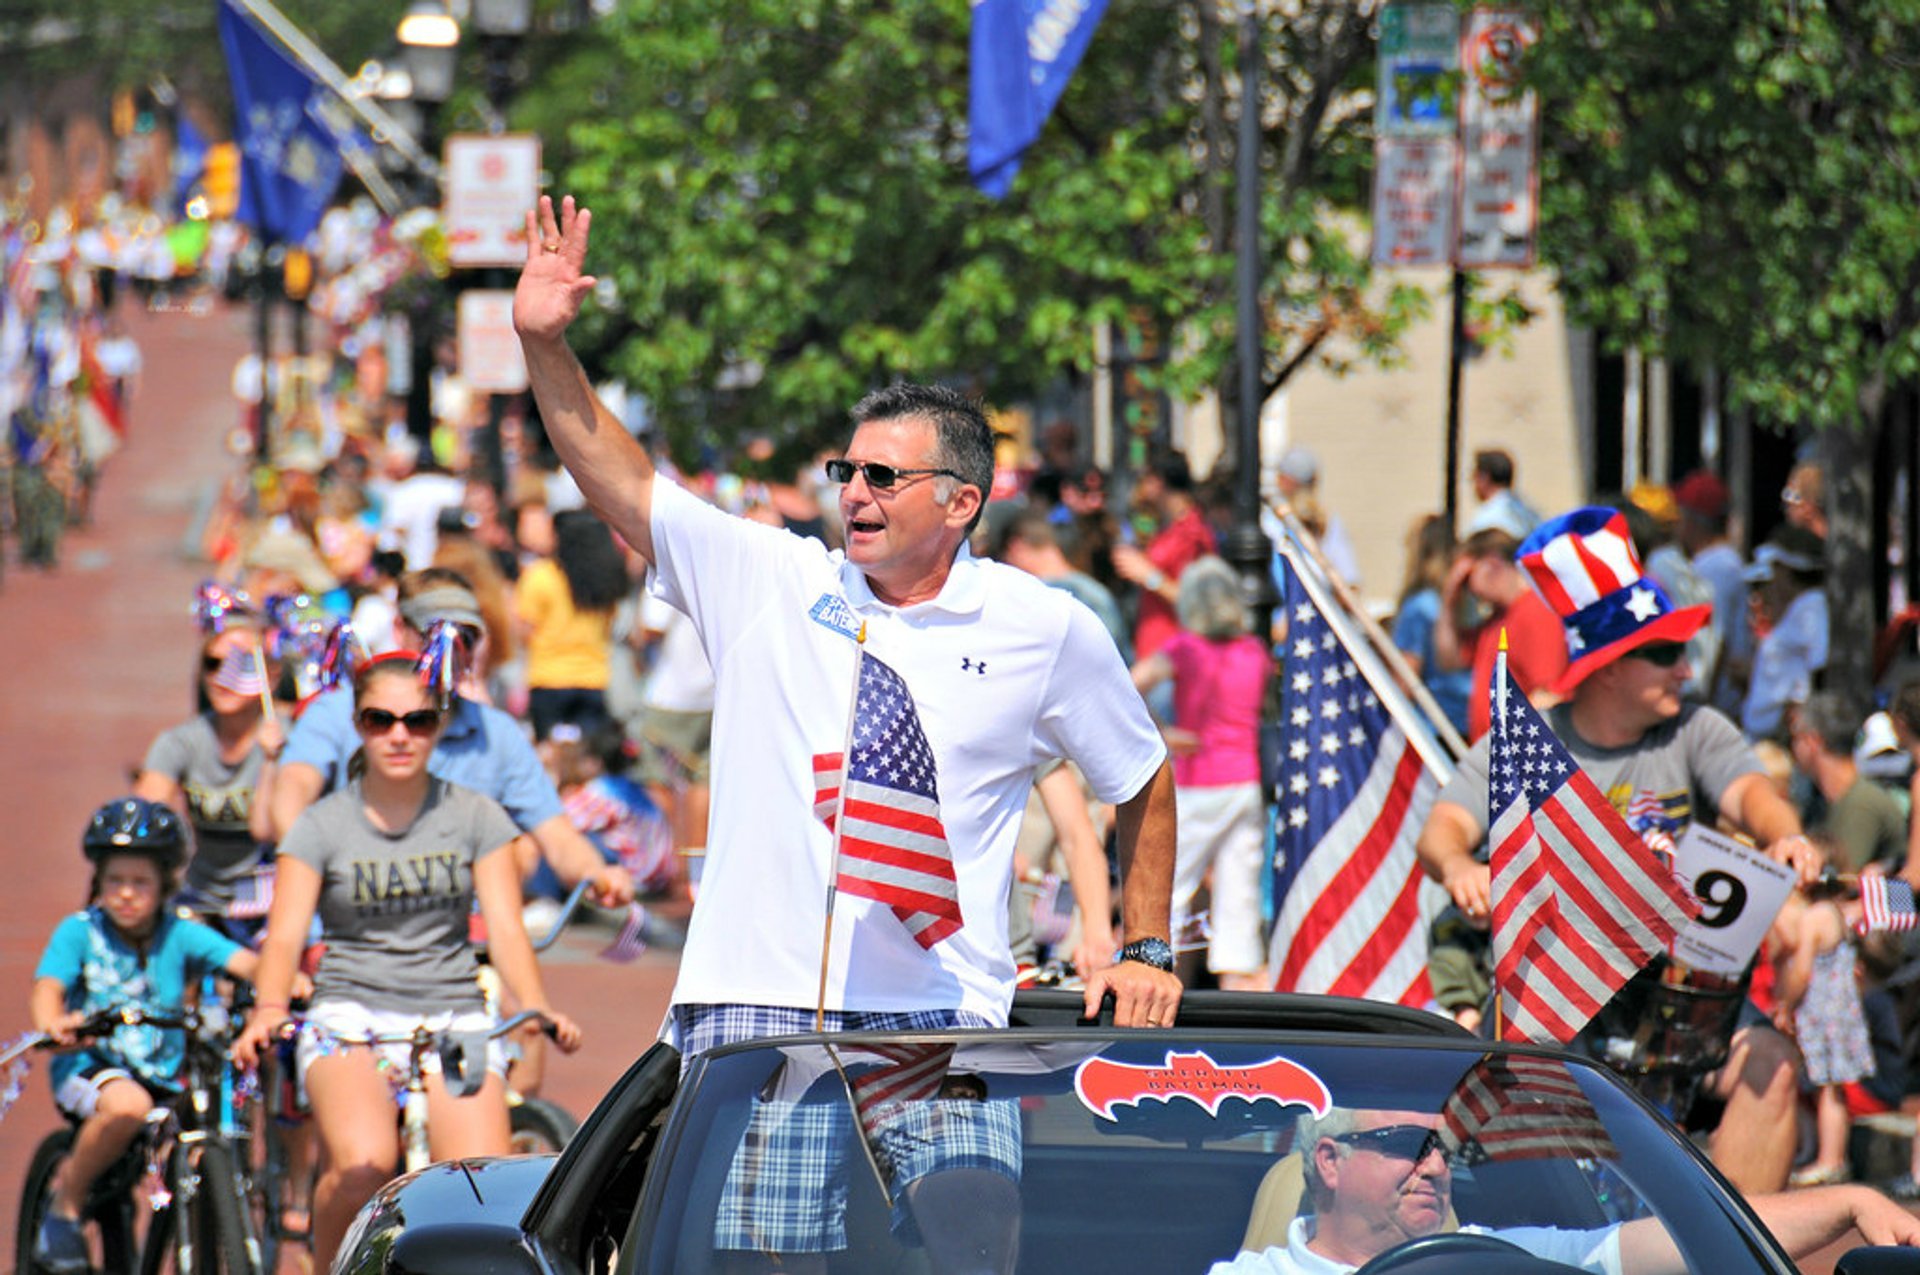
(1740, 892)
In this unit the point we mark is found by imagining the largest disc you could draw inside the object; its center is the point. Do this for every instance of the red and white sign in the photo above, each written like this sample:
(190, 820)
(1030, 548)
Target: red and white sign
(1413, 200)
(490, 355)
(490, 183)
(1103, 1085)
(1499, 138)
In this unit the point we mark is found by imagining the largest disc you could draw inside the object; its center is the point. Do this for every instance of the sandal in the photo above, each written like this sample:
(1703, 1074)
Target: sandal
(1904, 1188)
(296, 1224)
(1816, 1175)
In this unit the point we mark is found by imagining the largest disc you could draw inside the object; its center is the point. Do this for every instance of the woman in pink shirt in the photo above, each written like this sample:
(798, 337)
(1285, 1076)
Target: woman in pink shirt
(1219, 672)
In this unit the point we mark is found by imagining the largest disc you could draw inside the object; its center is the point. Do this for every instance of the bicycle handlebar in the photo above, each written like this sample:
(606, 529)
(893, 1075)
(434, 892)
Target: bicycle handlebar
(567, 912)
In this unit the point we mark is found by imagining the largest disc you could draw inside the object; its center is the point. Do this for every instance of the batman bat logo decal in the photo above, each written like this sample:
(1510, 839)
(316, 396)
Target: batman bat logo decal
(1103, 1084)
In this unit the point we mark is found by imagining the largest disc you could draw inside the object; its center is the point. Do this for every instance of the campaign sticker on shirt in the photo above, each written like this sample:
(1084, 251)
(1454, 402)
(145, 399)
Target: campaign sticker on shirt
(1103, 1085)
(832, 612)
(1740, 891)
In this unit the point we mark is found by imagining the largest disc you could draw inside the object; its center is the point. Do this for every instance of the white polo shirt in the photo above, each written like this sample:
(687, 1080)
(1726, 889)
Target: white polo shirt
(1005, 672)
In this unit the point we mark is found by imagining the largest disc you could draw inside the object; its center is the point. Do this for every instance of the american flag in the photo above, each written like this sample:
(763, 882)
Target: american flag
(1886, 903)
(1352, 796)
(252, 895)
(631, 941)
(1519, 1108)
(892, 848)
(1579, 902)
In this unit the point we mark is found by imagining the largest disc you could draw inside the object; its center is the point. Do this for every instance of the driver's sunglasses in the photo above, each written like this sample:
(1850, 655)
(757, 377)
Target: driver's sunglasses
(879, 477)
(378, 721)
(1660, 654)
(1399, 1141)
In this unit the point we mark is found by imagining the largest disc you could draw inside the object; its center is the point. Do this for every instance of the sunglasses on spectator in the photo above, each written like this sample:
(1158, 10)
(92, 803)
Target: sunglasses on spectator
(1661, 654)
(1398, 1141)
(378, 721)
(879, 477)
(211, 663)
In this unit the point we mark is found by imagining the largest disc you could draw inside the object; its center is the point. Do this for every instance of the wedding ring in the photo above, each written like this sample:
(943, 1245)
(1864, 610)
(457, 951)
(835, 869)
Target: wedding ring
(550, 247)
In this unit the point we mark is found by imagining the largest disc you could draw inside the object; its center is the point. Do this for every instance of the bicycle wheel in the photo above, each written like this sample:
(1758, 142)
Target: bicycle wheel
(108, 1207)
(540, 1127)
(33, 1196)
(225, 1245)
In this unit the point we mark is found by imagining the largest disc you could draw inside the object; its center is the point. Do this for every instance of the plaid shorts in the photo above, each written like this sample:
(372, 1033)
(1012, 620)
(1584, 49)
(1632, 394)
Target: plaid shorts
(786, 1190)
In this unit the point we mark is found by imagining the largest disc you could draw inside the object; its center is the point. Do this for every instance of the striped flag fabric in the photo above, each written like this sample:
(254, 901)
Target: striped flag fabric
(631, 941)
(1886, 904)
(892, 846)
(1520, 1108)
(1580, 903)
(1351, 798)
(252, 895)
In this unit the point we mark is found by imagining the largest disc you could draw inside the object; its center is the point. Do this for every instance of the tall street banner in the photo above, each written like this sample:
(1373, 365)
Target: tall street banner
(290, 154)
(1416, 145)
(1499, 141)
(1023, 54)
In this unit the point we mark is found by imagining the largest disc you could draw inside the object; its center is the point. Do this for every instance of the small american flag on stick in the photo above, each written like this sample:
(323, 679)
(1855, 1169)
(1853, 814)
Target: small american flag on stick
(252, 895)
(1886, 903)
(892, 846)
(631, 941)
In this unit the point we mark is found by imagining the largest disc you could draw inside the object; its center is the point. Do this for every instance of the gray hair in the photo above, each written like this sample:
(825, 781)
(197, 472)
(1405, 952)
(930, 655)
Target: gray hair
(1307, 1132)
(963, 441)
(1210, 601)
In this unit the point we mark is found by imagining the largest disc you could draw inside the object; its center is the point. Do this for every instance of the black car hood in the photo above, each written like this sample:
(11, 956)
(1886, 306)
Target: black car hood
(474, 1206)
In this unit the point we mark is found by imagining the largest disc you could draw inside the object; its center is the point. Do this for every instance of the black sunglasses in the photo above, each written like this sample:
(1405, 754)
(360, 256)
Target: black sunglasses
(879, 477)
(378, 721)
(1661, 654)
(211, 663)
(1398, 1141)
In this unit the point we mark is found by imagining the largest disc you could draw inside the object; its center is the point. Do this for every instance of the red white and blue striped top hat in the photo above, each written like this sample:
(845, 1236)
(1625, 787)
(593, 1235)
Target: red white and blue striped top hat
(1584, 565)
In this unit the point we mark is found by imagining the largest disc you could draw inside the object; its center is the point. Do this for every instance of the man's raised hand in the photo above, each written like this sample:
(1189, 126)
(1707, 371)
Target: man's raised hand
(552, 284)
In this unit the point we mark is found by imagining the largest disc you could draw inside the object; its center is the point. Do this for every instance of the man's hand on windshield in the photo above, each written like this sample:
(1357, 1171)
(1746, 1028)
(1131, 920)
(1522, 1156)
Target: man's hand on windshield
(1142, 995)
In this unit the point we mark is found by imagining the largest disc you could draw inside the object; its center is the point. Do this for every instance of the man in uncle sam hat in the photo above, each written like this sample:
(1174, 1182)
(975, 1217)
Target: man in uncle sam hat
(1662, 762)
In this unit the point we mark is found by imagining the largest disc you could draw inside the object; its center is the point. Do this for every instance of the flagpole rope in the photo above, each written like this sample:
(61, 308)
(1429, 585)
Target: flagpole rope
(839, 825)
(1383, 682)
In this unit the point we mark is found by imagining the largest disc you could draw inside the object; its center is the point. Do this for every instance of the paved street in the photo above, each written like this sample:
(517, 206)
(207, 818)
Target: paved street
(96, 658)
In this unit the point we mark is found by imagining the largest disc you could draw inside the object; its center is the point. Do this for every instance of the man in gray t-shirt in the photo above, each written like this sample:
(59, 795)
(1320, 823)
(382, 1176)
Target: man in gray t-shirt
(1663, 763)
(394, 906)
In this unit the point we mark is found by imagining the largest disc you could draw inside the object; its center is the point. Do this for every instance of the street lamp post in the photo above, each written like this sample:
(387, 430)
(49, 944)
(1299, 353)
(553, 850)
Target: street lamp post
(1247, 547)
(430, 47)
(501, 24)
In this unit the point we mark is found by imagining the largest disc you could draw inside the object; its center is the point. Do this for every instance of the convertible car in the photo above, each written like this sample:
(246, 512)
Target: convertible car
(1058, 1145)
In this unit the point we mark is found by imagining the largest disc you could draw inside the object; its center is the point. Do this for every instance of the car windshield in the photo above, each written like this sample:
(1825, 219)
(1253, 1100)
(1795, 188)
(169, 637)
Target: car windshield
(1168, 1156)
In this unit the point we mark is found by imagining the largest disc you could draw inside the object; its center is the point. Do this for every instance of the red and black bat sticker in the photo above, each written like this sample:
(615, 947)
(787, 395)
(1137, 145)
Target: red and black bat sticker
(1104, 1085)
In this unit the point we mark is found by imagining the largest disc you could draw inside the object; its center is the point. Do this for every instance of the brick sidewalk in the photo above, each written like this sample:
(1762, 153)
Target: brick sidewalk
(98, 659)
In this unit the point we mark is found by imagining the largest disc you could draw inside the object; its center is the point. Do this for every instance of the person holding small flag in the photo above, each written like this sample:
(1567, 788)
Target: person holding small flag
(1658, 763)
(879, 715)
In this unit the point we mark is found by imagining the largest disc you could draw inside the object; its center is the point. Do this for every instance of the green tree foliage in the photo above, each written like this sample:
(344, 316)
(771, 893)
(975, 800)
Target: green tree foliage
(1737, 183)
(782, 207)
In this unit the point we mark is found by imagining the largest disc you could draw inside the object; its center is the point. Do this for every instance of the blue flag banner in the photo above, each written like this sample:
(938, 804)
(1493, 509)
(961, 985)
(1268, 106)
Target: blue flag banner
(1024, 52)
(290, 156)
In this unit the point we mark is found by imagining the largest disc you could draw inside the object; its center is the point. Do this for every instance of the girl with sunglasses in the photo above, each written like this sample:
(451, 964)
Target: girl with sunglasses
(392, 864)
(218, 763)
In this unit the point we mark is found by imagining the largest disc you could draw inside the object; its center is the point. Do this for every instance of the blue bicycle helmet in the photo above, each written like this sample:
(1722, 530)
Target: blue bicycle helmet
(133, 825)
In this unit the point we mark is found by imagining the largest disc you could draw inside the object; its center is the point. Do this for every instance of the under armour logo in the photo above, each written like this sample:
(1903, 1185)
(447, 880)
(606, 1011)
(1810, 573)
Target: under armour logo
(970, 665)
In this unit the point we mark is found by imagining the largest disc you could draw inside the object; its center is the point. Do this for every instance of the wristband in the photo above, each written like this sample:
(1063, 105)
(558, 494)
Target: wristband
(1156, 580)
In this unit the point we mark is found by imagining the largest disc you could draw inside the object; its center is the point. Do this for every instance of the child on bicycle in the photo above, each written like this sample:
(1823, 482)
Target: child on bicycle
(125, 949)
(392, 863)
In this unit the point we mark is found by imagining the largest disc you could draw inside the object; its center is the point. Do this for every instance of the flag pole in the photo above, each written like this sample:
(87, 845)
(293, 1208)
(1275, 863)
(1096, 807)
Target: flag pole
(266, 690)
(1390, 655)
(1384, 684)
(1500, 723)
(839, 825)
